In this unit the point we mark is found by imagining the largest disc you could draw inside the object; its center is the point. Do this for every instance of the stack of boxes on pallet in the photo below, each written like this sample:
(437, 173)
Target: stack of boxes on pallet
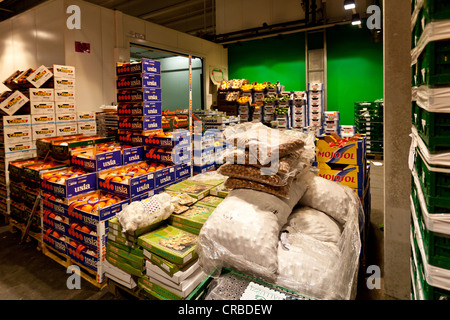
(299, 106)
(172, 273)
(141, 124)
(315, 106)
(344, 161)
(107, 122)
(75, 212)
(331, 122)
(369, 121)
(430, 152)
(29, 111)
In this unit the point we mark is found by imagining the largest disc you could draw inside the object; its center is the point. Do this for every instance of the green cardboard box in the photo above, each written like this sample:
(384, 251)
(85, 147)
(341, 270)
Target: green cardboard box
(125, 254)
(165, 265)
(115, 224)
(210, 201)
(194, 217)
(134, 250)
(124, 266)
(194, 189)
(184, 227)
(173, 244)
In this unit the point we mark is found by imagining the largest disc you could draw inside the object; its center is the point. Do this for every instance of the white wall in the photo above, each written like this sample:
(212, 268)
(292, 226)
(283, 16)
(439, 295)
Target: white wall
(95, 71)
(40, 36)
(31, 39)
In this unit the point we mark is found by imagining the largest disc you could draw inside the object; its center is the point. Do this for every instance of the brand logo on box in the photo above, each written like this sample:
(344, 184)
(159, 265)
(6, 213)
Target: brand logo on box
(16, 135)
(83, 187)
(68, 129)
(134, 158)
(338, 178)
(64, 82)
(39, 75)
(64, 70)
(64, 94)
(43, 106)
(89, 164)
(60, 246)
(87, 127)
(144, 187)
(17, 121)
(153, 97)
(58, 189)
(120, 189)
(152, 69)
(66, 106)
(42, 94)
(86, 116)
(45, 131)
(19, 148)
(11, 103)
(66, 117)
(58, 208)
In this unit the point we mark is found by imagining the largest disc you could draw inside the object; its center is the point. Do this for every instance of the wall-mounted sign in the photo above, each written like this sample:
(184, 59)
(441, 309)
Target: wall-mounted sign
(82, 47)
(217, 75)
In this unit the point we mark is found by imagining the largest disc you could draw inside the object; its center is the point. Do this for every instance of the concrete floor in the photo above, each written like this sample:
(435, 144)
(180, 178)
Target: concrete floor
(27, 274)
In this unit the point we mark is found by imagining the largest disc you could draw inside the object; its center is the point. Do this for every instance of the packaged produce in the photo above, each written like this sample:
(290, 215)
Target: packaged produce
(141, 214)
(173, 244)
(280, 191)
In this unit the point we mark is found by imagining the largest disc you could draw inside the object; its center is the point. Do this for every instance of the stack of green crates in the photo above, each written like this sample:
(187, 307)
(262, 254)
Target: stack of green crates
(430, 190)
(369, 121)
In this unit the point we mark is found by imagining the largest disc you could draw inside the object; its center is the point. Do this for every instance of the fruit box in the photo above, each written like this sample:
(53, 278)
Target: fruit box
(352, 176)
(65, 107)
(32, 172)
(15, 167)
(170, 123)
(65, 95)
(13, 103)
(77, 185)
(66, 129)
(42, 108)
(352, 152)
(61, 71)
(141, 109)
(42, 95)
(164, 177)
(89, 259)
(173, 244)
(183, 171)
(144, 66)
(144, 123)
(139, 81)
(62, 149)
(97, 158)
(94, 238)
(16, 134)
(195, 216)
(64, 83)
(132, 187)
(51, 238)
(142, 95)
(210, 201)
(132, 154)
(46, 143)
(173, 156)
(169, 267)
(91, 211)
(177, 138)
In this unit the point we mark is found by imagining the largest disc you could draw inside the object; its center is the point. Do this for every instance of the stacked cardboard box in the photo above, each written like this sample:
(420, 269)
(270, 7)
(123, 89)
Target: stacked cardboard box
(331, 122)
(315, 106)
(299, 113)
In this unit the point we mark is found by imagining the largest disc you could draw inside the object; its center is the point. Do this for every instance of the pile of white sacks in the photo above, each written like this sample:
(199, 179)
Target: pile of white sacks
(309, 243)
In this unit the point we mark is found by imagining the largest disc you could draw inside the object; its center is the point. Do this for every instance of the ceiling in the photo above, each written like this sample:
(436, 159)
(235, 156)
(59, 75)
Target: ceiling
(196, 17)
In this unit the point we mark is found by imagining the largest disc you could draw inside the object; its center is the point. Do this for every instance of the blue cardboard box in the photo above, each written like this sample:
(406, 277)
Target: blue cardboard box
(146, 108)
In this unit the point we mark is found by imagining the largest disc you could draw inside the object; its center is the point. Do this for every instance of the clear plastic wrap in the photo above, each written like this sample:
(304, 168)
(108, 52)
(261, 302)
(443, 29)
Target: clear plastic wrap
(242, 233)
(314, 223)
(279, 191)
(140, 214)
(263, 143)
(252, 173)
(327, 196)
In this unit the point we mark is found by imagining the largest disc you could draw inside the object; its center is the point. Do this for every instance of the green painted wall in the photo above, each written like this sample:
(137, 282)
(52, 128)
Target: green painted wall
(355, 66)
(270, 60)
(354, 70)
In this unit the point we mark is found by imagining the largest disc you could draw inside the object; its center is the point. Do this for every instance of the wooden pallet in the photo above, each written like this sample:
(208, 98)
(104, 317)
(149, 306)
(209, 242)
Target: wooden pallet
(64, 260)
(117, 289)
(375, 156)
(15, 226)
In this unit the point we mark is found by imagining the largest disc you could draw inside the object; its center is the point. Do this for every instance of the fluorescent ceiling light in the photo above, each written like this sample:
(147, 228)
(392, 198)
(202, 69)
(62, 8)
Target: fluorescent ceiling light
(349, 4)
(356, 20)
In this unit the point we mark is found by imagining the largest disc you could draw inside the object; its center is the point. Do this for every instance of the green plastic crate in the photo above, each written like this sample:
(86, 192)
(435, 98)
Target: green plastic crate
(429, 292)
(434, 64)
(433, 128)
(433, 183)
(436, 245)
(434, 10)
(434, 205)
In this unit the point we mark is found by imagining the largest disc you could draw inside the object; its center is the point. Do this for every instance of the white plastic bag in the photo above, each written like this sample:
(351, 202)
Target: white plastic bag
(140, 214)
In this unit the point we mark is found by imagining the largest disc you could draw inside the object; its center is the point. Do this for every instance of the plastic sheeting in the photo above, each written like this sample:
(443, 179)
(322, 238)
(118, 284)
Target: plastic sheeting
(140, 214)
(437, 159)
(244, 233)
(432, 99)
(433, 31)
